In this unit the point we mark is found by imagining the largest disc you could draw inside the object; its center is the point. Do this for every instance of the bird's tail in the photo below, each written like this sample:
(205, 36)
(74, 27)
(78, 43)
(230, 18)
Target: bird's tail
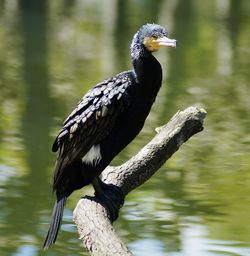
(55, 223)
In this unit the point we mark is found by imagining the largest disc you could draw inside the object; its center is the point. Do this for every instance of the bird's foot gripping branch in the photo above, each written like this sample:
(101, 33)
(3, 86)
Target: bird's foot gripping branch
(110, 196)
(93, 220)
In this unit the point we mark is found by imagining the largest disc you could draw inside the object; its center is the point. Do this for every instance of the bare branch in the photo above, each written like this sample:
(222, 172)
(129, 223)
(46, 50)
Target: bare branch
(92, 219)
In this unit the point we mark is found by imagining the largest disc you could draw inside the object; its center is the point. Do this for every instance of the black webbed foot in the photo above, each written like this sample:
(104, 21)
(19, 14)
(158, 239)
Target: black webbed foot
(110, 196)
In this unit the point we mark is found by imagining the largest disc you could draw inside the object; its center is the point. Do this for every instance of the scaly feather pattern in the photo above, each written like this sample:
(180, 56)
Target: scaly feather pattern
(92, 119)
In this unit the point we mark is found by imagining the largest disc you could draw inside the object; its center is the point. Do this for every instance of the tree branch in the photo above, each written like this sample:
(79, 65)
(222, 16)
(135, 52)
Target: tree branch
(92, 219)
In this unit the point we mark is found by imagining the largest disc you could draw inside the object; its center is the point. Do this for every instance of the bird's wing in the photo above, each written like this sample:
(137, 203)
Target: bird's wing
(91, 121)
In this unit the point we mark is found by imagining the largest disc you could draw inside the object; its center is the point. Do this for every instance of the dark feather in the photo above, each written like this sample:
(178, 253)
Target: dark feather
(55, 224)
(90, 122)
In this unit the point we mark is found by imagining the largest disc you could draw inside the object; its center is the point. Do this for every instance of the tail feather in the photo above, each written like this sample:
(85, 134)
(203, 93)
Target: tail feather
(55, 224)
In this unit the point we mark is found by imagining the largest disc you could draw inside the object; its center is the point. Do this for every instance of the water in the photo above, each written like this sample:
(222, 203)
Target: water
(51, 52)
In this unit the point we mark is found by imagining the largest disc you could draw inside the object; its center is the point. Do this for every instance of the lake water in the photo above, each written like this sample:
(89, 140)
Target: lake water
(52, 52)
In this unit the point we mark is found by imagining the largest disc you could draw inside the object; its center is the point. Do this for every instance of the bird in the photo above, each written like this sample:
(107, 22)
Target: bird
(108, 117)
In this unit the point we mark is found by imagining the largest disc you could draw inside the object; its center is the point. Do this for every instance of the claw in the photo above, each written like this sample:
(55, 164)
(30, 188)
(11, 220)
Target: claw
(110, 196)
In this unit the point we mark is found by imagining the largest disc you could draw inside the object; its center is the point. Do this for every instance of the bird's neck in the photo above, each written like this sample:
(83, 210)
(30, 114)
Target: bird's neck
(147, 68)
(148, 75)
(148, 72)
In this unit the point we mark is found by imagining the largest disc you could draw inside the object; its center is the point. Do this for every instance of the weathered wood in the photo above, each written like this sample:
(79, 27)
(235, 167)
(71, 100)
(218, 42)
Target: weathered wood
(91, 218)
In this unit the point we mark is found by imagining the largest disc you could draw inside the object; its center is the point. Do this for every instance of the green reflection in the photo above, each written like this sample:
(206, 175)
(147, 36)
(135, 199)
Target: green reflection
(52, 52)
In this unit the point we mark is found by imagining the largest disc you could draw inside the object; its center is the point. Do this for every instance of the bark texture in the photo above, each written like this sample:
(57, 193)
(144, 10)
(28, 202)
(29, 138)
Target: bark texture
(92, 218)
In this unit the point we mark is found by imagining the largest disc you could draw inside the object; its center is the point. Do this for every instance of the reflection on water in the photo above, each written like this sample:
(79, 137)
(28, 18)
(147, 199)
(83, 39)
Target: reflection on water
(52, 52)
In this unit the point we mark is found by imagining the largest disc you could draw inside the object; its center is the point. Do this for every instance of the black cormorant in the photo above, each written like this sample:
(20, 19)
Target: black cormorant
(105, 121)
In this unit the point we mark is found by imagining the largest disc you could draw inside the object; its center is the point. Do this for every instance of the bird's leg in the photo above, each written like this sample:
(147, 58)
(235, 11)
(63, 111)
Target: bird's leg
(110, 195)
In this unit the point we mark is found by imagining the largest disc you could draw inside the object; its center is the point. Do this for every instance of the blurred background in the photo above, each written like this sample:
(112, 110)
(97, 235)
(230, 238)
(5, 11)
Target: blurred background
(52, 52)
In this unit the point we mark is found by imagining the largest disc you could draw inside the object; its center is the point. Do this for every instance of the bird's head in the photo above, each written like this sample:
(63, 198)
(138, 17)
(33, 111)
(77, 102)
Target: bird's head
(154, 36)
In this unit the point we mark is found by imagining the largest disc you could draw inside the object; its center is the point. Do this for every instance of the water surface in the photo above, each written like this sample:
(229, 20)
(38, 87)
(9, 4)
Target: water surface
(52, 52)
